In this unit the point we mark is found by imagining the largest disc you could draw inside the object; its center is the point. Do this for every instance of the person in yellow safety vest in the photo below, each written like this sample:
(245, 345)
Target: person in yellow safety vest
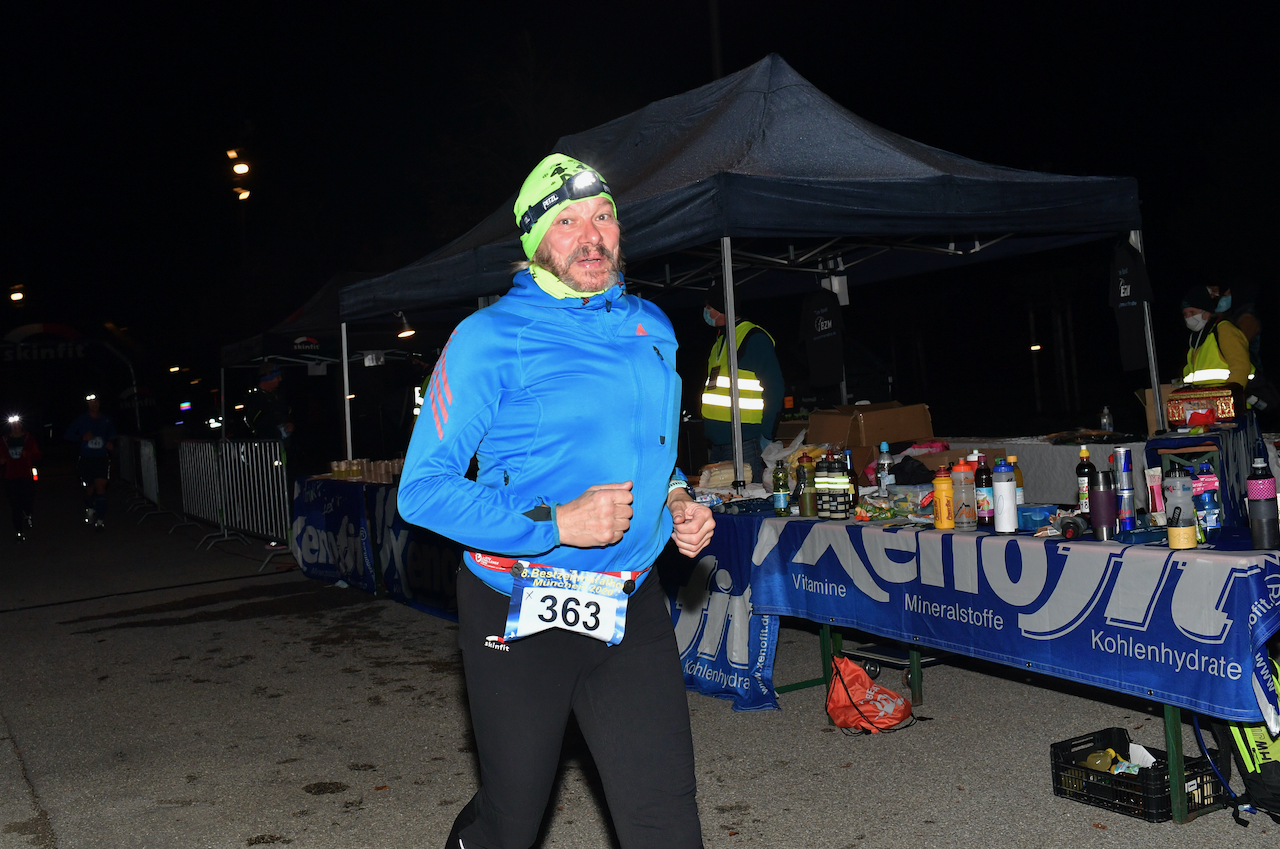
(1218, 352)
(760, 390)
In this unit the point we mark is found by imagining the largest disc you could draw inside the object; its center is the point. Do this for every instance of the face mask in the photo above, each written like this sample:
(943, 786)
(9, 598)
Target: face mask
(1224, 303)
(706, 316)
(1196, 322)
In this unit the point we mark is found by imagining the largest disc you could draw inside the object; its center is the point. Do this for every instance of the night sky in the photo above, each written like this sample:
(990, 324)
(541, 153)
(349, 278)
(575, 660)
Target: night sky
(378, 134)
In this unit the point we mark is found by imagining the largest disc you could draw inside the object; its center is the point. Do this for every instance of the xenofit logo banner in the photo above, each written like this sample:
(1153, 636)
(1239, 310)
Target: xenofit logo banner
(1180, 626)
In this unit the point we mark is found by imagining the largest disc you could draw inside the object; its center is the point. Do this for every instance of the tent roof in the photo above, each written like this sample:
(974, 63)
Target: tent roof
(309, 334)
(763, 153)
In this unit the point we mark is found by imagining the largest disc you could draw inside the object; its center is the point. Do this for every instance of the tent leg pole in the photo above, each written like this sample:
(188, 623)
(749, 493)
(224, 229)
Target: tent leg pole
(730, 331)
(1162, 421)
(346, 390)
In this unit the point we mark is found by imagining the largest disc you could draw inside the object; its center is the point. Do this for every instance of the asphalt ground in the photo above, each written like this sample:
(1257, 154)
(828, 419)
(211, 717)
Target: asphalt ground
(156, 695)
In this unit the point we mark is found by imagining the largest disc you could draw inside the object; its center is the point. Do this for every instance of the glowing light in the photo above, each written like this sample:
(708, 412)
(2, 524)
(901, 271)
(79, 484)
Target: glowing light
(13, 419)
(349, 397)
(184, 406)
(214, 423)
(241, 168)
(1035, 347)
(91, 397)
(233, 154)
(239, 406)
(173, 369)
(15, 296)
(242, 194)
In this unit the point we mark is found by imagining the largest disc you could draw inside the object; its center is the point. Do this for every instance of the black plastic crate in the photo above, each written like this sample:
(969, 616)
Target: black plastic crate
(1144, 795)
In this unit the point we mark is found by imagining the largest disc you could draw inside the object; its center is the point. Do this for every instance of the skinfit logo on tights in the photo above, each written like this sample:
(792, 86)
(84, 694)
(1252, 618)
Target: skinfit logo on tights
(496, 643)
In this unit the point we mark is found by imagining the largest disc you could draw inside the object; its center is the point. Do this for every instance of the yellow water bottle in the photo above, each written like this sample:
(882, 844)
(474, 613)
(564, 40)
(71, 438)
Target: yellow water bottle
(943, 500)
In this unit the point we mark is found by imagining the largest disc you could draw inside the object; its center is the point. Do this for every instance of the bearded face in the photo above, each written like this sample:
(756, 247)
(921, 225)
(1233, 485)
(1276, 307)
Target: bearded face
(582, 246)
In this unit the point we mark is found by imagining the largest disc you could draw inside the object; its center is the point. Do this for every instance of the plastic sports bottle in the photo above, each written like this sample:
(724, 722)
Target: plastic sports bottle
(1012, 459)
(883, 463)
(838, 483)
(781, 490)
(1005, 491)
(1263, 527)
(983, 483)
(822, 480)
(1083, 470)
(944, 517)
(964, 497)
(1179, 508)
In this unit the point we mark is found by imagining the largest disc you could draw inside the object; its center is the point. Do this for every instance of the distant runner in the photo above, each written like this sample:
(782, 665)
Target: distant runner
(96, 434)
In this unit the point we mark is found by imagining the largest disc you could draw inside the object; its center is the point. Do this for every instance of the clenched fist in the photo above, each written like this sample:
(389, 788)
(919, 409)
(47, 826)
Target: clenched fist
(597, 517)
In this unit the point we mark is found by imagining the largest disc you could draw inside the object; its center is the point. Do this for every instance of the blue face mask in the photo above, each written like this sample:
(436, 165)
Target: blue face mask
(706, 316)
(1224, 303)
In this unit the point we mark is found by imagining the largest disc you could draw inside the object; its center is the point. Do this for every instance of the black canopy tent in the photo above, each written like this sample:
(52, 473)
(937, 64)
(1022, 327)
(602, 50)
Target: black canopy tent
(314, 335)
(763, 154)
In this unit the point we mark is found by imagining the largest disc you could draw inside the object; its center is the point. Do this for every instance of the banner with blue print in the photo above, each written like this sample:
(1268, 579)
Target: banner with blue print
(330, 533)
(417, 567)
(1186, 628)
(726, 648)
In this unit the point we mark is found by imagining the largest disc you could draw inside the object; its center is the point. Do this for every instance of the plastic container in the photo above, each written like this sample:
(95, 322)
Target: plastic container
(984, 486)
(1144, 795)
(1033, 516)
(837, 486)
(965, 500)
(883, 463)
(1005, 498)
(822, 481)
(1083, 469)
(1179, 508)
(1017, 476)
(1105, 422)
(1263, 528)
(944, 517)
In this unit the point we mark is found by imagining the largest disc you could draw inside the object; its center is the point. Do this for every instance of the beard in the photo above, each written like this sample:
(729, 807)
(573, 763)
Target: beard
(580, 281)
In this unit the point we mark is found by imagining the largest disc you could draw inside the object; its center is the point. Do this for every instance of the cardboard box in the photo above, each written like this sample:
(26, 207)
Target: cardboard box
(790, 429)
(870, 424)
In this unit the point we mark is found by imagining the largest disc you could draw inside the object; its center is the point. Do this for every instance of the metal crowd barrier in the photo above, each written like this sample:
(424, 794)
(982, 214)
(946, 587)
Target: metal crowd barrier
(241, 487)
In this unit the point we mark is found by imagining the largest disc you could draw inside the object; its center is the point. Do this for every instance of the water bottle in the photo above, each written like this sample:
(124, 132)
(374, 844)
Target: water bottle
(1180, 508)
(984, 486)
(1083, 470)
(781, 490)
(838, 483)
(1264, 529)
(1208, 507)
(822, 486)
(883, 464)
(944, 515)
(1012, 460)
(964, 497)
(1005, 491)
(1103, 509)
(1106, 422)
(807, 495)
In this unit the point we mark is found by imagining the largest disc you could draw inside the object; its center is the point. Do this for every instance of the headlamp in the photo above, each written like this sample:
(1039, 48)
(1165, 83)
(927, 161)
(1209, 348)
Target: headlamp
(582, 185)
(13, 419)
(91, 397)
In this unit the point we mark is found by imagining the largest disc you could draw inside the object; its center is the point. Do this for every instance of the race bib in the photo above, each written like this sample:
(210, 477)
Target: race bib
(16, 453)
(95, 442)
(589, 603)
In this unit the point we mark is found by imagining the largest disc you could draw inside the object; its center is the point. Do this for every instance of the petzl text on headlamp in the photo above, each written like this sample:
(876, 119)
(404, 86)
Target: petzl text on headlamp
(583, 185)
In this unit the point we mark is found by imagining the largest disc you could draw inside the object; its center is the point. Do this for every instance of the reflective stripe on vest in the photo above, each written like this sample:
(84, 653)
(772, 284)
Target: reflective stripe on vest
(1206, 365)
(717, 401)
